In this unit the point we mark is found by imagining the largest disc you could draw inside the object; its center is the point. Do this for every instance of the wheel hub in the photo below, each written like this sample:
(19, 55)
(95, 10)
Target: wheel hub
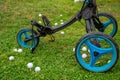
(96, 53)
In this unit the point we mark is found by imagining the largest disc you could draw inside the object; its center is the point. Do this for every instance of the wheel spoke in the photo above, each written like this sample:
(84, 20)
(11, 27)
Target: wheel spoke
(107, 23)
(103, 51)
(93, 60)
(91, 46)
(26, 35)
(24, 43)
(25, 40)
(99, 50)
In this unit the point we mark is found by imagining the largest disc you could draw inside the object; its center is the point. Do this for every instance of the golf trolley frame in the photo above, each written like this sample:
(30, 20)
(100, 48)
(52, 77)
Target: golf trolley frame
(89, 13)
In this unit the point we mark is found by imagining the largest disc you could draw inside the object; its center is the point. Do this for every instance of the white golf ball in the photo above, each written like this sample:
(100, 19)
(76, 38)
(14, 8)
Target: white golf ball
(109, 61)
(98, 62)
(61, 15)
(19, 50)
(62, 22)
(88, 50)
(62, 32)
(37, 69)
(39, 22)
(76, 0)
(84, 49)
(15, 50)
(56, 24)
(84, 55)
(73, 49)
(30, 65)
(11, 58)
(40, 15)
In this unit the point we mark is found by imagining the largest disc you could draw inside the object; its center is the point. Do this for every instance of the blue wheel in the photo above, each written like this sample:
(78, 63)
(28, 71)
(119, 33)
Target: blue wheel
(26, 34)
(110, 25)
(97, 55)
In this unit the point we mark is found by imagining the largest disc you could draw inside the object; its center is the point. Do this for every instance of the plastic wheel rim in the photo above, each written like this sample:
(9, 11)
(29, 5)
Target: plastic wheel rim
(91, 66)
(24, 44)
(107, 23)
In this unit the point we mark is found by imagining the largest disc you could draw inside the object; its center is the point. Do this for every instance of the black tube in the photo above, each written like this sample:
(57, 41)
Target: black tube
(88, 28)
(65, 25)
(34, 23)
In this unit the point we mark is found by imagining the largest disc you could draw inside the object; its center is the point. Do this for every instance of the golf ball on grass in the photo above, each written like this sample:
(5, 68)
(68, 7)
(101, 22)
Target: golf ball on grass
(40, 22)
(84, 55)
(61, 20)
(73, 49)
(98, 62)
(76, 0)
(61, 15)
(56, 24)
(37, 69)
(88, 50)
(109, 61)
(15, 50)
(62, 23)
(62, 32)
(30, 65)
(11, 58)
(19, 50)
(84, 49)
(40, 15)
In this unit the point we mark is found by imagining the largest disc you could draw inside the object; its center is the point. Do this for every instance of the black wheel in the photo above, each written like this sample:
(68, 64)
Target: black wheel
(97, 52)
(25, 34)
(110, 25)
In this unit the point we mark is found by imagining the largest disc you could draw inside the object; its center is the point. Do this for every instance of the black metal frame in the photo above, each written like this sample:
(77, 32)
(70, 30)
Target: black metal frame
(88, 12)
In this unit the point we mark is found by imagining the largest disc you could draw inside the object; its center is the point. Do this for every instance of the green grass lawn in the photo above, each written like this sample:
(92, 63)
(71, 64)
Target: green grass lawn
(56, 59)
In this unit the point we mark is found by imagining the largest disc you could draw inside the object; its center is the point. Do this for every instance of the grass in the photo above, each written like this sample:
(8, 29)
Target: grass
(56, 59)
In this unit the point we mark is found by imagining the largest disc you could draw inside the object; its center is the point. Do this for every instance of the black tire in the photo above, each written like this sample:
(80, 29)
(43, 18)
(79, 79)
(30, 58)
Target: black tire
(113, 22)
(97, 53)
(20, 41)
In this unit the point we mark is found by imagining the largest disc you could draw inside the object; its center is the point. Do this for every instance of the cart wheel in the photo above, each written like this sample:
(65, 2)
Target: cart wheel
(109, 22)
(25, 34)
(97, 55)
